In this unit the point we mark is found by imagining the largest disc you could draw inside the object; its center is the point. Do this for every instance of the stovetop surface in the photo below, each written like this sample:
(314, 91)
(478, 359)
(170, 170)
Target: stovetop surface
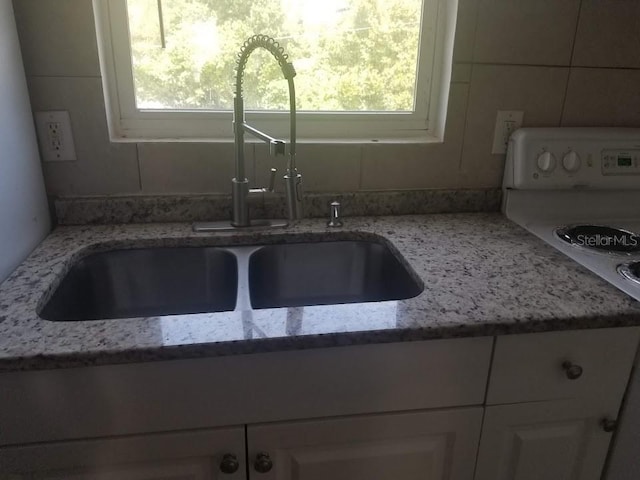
(558, 179)
(604, 263)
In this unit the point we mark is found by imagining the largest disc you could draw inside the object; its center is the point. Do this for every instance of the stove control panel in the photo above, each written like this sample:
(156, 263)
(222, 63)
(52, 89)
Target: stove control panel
(621, 162)
(568, 158)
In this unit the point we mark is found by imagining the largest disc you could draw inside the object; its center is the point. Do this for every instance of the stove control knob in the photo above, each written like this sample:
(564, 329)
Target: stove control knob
(571, 162)
(546, 162)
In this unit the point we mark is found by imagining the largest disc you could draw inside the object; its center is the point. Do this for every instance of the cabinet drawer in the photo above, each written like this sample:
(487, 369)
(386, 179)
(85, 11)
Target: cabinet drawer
(563, 365)
(213, 392)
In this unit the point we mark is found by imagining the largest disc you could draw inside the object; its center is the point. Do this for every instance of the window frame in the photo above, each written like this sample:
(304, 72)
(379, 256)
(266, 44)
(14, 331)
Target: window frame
(426, 123)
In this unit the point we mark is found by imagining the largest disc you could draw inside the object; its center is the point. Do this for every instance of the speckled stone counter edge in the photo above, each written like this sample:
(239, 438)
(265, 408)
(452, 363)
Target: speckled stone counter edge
(198, 208)
(483, 275)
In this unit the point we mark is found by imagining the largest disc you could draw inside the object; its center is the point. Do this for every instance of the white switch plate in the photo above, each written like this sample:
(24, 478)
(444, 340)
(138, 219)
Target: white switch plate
(507, 122)
(55, 136)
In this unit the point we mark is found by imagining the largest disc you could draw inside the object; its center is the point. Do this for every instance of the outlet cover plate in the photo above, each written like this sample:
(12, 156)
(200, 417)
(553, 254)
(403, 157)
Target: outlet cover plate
(507, 122)
(55, 136)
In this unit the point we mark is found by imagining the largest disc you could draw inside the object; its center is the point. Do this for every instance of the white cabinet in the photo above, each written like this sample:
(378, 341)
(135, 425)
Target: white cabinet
(134, 399)
(553, 402)
(433, 445)
(406, 411)
(562, 365)
(358, 388)
(200, 455)
(557, 440)
(428, 445)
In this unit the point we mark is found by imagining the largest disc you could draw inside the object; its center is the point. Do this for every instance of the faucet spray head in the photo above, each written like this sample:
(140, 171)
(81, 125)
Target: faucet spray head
(288, 70)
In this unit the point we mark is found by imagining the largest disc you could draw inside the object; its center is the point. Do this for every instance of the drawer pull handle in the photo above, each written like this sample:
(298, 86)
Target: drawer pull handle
(608, 425)
(263, 463)
(572, 370)
(229, 463)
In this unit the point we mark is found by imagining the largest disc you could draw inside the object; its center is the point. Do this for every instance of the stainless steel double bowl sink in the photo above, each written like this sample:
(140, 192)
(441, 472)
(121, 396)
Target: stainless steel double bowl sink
(144, 282)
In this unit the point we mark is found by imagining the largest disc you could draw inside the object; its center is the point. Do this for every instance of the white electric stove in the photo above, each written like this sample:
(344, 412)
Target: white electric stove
(578, 189)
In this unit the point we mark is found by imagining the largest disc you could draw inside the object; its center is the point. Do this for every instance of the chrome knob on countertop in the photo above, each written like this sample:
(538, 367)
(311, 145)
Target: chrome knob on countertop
(229, 463)
(571, 370)
(335, 220)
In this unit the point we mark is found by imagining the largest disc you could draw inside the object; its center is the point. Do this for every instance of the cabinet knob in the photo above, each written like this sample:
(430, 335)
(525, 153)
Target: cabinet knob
(229, 463)
(572, 370)
(608, 425)
(263, 463)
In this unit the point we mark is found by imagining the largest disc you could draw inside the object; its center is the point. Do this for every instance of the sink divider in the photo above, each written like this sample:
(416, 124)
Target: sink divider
(242, 254)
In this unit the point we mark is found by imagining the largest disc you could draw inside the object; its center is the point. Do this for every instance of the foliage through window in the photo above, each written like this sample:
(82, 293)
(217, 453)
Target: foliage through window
(363, 60)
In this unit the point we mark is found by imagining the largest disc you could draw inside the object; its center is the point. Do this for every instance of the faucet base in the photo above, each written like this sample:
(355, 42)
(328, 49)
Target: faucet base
(293, 188)
(240, 208)
(225, 226)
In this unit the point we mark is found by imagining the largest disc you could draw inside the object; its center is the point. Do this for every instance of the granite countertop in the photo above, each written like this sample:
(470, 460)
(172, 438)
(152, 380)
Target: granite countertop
(483, 275)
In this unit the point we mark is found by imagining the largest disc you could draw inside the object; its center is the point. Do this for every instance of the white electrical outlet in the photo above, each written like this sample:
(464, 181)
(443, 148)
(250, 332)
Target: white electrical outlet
(55, 136)
(507, 122)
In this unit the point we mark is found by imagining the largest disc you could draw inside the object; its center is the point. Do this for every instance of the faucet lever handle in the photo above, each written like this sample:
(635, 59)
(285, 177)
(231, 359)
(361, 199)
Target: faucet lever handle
(272, 180)
(276, 147)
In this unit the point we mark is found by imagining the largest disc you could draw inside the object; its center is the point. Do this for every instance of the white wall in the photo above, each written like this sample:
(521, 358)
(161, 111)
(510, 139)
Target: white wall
(564, 62)
(24, 215)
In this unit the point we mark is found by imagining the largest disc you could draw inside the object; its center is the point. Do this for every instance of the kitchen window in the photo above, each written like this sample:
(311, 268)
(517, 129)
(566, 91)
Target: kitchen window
(366, 69)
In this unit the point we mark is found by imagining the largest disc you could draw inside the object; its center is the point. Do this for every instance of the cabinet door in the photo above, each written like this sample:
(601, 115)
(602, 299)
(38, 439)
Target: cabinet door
(561, 440)
(171, 456)
(430, 445)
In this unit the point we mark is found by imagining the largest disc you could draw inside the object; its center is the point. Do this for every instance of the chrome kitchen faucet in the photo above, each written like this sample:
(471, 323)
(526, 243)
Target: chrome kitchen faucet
(240, 184)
